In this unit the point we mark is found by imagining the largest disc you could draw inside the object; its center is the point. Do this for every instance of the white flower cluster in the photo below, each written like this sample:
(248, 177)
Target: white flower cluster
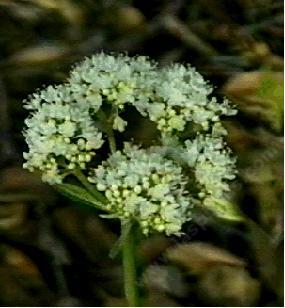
(67, 124)
(171, 96)
(115, 80)
(145, 186)
(181, 95)
(212, 163)
(60, 133)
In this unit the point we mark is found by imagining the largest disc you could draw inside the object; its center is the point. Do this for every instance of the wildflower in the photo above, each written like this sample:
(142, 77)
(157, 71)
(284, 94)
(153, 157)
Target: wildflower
(60, 134)
(115, 80)
(212, 163)
(181, 96)
(145, 186)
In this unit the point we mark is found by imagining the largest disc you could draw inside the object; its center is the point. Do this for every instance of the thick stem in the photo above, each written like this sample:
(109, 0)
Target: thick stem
(129, 266)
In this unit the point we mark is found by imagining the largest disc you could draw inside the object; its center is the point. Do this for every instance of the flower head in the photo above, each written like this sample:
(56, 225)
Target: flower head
(212, 163)
(115, 80)
(181, 96)
(67, 124)
(60, 134)
(144, 186)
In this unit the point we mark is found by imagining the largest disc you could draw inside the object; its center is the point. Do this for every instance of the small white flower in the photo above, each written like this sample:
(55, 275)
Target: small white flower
(119, 124)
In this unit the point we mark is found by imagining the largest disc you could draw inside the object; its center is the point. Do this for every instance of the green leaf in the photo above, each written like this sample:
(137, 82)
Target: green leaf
(223, 209)
(79, 194)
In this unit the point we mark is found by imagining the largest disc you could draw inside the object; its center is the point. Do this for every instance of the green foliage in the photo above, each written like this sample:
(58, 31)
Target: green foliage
(79, 194)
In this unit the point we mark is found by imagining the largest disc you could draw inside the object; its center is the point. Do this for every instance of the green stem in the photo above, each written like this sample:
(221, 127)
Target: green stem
(91, 188)
(112, 141)
(129, 266)
(108, 129)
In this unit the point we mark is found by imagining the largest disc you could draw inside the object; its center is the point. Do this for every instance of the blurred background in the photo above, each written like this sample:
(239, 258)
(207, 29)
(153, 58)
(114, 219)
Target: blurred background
(54, 253)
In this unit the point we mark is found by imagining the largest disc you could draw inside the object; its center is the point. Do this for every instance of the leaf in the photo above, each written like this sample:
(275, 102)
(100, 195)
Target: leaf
(228, 286)
(199, 257)
(259, 95)
(77, 193)
(152, 247)
(165, 278)
(223, 209)
(12, 215)
(38, 55)
(268, 256)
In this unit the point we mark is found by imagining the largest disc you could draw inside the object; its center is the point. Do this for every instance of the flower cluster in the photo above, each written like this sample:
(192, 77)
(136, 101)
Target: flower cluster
(68, 124)
(171, 96)
(181, 95)
(212, 164)
(60, 134)
(145, 186)
(115, 80)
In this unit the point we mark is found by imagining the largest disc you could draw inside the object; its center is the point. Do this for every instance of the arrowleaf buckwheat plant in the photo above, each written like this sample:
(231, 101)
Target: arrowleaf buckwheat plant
(157, 187)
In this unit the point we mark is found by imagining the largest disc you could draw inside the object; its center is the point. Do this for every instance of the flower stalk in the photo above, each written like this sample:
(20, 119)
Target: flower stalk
(90, 188)
(129, 267)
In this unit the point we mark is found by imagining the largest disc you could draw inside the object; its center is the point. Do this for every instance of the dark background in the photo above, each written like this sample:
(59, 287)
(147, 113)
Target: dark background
(54, 253)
